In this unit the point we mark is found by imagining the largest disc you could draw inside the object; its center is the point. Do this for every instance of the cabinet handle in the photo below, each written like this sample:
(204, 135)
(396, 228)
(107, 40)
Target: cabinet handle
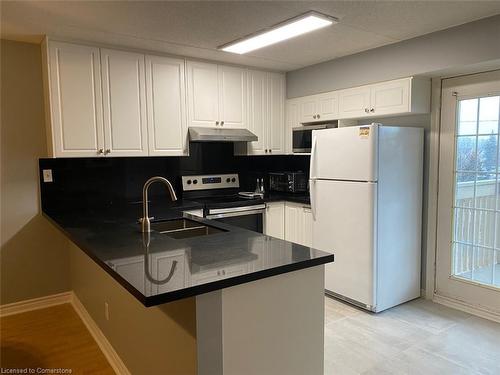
(270, 151)
(372, 110)
(314, 116)
(100, 151)
(367, 110)
(222, 123)
(108, 151)
(318, 116)
(216, 122)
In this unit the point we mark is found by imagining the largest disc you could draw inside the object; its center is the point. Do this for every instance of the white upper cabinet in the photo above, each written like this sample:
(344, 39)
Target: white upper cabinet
(257, 111)
(232, 97)
(291, 121)
(124, 103)
(328, 106)
(165, 89)
(203, 94)
(401, 96)
(266, 114)
(216, 95)
(74, 100)
(321, 107)
(276, 110)
(309, 108)
(354, 102)
(397, 97)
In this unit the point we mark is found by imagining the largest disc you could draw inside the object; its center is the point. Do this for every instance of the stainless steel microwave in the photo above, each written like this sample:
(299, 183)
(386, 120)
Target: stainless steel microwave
(302, 137)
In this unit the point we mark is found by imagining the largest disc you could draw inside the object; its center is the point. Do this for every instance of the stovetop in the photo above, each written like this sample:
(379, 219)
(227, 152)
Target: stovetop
(216, 191)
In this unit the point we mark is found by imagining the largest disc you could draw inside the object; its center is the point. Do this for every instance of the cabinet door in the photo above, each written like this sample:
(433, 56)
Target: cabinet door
(390, 97)
(202, 94)
(232, 97)
(276, 125)
(275, 220)
(162, 265)
(307, 223)
(292, 222)
(308, 108)
(166, 94)
(124, 100)
(328, 106)
(354, 102)
(292, 121)
(257, 111)
(75, 97)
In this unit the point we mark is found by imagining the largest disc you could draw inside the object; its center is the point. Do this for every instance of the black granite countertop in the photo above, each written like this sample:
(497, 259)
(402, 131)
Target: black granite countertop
(159, 268)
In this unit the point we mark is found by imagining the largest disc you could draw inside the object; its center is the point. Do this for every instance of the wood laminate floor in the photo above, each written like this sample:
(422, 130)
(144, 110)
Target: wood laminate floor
(418, 337)
(54, 337)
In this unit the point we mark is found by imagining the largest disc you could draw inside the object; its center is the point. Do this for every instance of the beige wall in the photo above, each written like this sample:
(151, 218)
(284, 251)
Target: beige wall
(34, 255)
(154, 340)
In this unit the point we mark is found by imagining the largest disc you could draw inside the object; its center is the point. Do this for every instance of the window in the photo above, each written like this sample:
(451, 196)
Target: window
(476, 208)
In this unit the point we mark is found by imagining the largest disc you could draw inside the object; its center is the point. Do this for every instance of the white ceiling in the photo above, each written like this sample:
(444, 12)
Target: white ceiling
(195, 29)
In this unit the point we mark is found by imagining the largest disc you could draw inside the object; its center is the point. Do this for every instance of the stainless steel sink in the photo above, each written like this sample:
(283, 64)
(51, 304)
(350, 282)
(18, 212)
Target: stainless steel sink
(183, 228)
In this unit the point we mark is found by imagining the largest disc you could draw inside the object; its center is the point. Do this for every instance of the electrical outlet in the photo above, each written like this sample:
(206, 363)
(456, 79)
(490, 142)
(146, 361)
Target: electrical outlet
(47, 175)
(106, 310)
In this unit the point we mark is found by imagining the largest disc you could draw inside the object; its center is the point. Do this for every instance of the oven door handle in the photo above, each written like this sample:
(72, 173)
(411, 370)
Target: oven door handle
(238, 213)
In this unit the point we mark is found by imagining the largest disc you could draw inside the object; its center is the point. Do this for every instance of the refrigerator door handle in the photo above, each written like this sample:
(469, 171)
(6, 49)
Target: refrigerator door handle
(312, 166)
(312, 188)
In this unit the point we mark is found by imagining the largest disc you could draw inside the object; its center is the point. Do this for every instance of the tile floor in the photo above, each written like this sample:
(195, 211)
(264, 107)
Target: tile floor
(419, 337)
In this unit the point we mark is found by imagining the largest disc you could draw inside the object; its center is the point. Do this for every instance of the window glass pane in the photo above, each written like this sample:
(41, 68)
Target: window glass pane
(488, 115)
(467, 117)
(487, 153)
(483, 265)
(464, 225)
(462, 260)
(486, 191)
(484, 231)
(466, 154)
(476, 234)
(464, 189)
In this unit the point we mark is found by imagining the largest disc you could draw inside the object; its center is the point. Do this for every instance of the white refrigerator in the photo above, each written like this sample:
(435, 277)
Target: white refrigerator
(366, 201)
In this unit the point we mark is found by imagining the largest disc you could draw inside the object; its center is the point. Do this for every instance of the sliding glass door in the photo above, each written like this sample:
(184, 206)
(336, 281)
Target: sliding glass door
(468, 252)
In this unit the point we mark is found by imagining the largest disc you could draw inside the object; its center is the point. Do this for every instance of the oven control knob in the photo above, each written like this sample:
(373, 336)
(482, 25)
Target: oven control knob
(233, 179)
(195, 182)
(228, 180)
(189, 182)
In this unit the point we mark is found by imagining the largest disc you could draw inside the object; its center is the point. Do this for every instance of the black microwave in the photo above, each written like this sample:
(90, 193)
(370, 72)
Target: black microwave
(302, 137)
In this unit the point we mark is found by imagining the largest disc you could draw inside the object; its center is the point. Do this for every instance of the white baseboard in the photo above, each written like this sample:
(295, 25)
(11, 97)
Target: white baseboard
(35, 304)
(106, 347)
(468, 308)
(69, 297)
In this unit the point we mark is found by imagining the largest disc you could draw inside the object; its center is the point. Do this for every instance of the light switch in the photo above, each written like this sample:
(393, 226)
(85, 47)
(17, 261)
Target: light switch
(47, 175)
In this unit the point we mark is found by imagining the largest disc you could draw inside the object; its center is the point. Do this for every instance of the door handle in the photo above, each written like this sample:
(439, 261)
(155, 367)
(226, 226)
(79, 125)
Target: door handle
(312, 166)
(312, 195)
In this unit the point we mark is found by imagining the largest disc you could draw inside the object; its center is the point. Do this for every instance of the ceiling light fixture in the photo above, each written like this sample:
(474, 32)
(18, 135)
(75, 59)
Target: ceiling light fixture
(288, 29)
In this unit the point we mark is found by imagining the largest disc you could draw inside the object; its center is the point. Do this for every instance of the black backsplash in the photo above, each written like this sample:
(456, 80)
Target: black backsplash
(96, 182)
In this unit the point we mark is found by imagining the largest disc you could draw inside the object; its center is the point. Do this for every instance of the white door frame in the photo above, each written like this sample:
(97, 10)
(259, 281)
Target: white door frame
(469, 85)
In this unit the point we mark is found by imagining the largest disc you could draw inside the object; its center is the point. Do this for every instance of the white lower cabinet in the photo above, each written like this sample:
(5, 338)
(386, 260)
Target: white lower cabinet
(274, 220)
(298, 223)
(289, 221)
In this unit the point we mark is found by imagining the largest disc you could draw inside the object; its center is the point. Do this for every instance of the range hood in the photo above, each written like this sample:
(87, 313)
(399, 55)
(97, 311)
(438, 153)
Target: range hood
(201, 134)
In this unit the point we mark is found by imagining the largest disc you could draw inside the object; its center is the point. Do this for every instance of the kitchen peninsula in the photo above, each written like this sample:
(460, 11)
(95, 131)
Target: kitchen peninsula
(243, 281)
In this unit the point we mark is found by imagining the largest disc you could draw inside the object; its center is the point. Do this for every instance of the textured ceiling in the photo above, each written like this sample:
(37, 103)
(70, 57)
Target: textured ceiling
(195, 29)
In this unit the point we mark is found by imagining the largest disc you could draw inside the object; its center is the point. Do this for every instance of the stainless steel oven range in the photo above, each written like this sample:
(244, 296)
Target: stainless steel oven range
(219, 194)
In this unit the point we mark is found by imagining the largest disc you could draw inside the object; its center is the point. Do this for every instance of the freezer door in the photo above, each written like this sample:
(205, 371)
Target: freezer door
(348, 153)
(345, 225)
